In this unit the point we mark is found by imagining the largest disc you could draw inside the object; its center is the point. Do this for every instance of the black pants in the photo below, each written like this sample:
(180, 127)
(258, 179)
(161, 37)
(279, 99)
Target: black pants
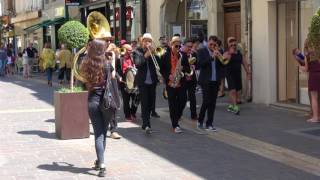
(63, 71)
(147, 94)
(209, 94)
(154, 101)
(191, 93)
(100, 119)
(130, 103)
(177, 98)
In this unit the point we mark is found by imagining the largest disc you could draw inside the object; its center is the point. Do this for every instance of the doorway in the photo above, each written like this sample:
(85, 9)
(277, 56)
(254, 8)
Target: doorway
(232, 21)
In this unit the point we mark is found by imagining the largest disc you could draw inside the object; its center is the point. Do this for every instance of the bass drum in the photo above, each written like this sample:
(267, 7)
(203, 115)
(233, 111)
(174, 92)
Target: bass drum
(130, 76)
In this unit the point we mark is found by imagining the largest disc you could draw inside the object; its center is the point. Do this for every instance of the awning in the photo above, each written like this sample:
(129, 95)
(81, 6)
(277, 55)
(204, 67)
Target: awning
(37, 26)
(45, 24)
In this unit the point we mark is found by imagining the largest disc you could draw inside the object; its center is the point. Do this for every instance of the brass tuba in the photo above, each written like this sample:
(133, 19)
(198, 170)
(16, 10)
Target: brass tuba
(99, 28)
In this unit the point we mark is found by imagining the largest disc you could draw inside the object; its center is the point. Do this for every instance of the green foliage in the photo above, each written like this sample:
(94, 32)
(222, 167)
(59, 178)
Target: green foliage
(73, 34)
(68, 90)
(314, 30)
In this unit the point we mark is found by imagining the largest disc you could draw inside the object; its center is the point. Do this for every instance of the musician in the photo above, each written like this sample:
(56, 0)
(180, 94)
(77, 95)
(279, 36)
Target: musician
(233, 74)
(209, 79)
(93, 68)
(175, 64)
(146, 78)
(191, 79)
(112, 50)
(130, 96)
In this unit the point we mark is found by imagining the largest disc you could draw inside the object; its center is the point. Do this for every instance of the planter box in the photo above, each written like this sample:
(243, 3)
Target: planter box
(71, 115)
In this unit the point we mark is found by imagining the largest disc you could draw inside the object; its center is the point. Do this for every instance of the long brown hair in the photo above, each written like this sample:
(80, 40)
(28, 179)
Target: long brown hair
(92, 66)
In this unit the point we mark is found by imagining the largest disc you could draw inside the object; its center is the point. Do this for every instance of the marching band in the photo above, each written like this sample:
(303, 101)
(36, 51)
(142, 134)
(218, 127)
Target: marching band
(136, 69)
(140, 66)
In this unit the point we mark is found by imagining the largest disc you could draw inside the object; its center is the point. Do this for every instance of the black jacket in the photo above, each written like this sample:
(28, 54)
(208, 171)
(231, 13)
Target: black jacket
(141, 64)
(166, 66)
(204, 64)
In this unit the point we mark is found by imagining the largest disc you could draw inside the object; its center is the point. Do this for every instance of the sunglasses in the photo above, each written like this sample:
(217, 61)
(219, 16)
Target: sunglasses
(212, 44)
(177, 46)
(233, 45)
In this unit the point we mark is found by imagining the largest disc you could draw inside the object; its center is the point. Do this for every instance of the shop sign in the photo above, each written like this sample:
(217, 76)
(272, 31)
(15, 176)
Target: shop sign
(72, 2)
(59, 11)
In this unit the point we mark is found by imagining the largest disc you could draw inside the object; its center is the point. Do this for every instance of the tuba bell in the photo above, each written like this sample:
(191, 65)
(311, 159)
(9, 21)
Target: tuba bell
(99, 28)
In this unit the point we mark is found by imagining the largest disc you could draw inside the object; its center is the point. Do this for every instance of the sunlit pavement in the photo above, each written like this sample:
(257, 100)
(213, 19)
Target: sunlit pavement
(261, 143)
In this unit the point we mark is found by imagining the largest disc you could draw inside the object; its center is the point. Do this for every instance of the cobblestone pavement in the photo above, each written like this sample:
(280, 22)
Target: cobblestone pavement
(262, 143)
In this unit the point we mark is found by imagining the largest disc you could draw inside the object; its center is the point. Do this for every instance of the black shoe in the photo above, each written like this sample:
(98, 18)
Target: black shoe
(102, 172)
(155, 115)
(96, 165)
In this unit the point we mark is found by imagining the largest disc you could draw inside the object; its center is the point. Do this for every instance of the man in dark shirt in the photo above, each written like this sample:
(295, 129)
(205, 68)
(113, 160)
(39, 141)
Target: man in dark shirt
(32, 54)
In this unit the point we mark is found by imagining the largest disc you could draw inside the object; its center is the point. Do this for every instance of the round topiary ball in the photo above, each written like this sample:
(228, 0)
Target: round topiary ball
(314, 29)
(73, 34)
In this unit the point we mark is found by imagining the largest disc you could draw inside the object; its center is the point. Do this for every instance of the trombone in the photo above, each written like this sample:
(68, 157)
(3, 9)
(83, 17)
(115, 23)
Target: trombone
(156, 65)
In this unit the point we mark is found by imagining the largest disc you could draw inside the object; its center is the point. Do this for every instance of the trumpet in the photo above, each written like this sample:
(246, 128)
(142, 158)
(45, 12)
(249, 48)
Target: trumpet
(221, 58)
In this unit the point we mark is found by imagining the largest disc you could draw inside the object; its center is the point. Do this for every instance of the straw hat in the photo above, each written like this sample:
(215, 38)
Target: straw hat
(147, 36)
(175, 39)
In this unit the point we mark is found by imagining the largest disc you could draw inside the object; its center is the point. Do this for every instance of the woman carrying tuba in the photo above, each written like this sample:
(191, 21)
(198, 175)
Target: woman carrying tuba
(95, 71)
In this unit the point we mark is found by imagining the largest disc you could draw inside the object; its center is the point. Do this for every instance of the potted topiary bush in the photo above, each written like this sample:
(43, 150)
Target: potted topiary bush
(314, 35)
(71, 104)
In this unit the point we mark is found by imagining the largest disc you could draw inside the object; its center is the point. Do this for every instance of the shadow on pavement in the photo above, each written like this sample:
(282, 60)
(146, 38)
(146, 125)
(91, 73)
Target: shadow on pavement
(65, 167)
(42, 134)
(40, 90)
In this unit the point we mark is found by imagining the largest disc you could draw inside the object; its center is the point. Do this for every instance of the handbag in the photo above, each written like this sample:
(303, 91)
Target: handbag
(111, 98)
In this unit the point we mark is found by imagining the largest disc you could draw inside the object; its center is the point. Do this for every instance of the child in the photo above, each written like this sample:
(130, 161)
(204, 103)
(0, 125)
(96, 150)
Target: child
(19, 63)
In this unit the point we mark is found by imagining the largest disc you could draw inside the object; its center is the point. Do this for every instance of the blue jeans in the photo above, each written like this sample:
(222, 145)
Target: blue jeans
(49, 72)
(2, 67)
(100, 119)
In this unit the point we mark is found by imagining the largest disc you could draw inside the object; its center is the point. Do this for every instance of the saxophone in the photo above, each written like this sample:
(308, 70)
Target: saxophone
(178, 74)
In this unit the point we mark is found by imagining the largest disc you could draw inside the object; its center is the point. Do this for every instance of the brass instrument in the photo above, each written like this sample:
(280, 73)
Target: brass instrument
(221, 58)
(178, 74)
(156, 65)
(122, 51)
(160, 51)
(191, 61)
(99, 28)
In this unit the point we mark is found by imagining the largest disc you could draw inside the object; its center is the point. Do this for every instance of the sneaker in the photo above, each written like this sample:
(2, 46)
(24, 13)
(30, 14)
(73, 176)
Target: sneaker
(211, 128)
(236, 110)
(155, 115)
(148, 130)
(102, 172)
(177, 130)
(200, 126)
(230, 108)
(115, 135)
(188, 104)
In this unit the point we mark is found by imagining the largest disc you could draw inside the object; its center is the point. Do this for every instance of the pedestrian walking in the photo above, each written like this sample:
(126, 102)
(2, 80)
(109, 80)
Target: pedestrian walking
(65, 62)
(233, 74)
(47, 60)
(3, 60)
(30, 54)
(11, 60)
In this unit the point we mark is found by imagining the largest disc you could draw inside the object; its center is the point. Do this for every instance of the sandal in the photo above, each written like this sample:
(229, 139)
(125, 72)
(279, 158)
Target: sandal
(313, 120)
